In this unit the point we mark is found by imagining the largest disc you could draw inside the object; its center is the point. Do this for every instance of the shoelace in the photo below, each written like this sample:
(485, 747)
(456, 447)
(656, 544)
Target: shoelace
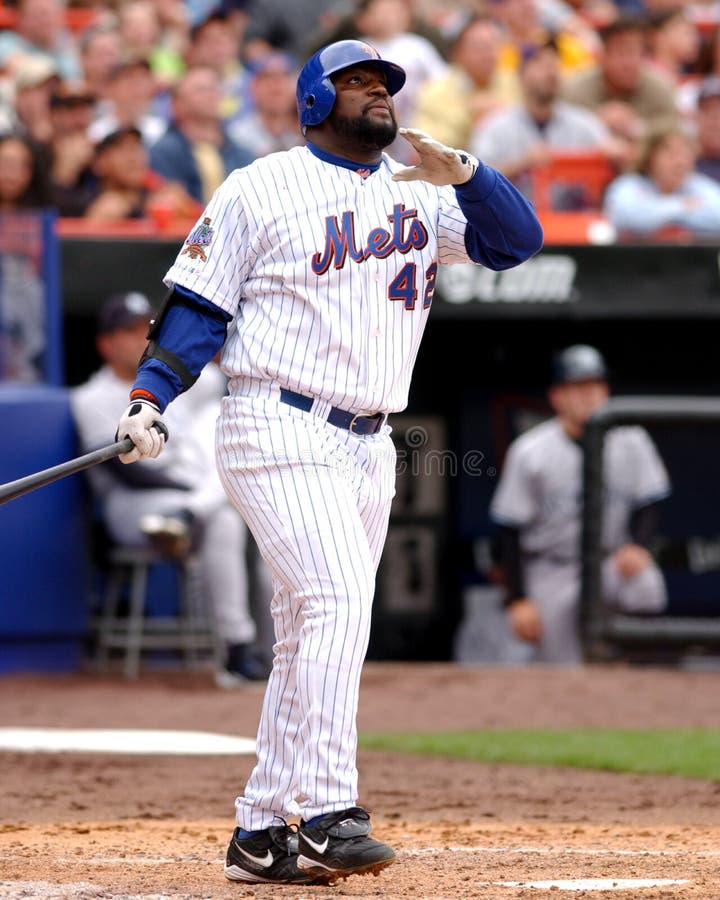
(284, 834)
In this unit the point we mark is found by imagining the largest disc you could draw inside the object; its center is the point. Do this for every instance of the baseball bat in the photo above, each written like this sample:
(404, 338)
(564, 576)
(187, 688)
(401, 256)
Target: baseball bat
(14, 489)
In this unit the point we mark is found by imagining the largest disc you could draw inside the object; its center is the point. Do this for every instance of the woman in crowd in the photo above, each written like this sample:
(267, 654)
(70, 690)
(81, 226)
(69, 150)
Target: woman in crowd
(666, 193)
(23, 184)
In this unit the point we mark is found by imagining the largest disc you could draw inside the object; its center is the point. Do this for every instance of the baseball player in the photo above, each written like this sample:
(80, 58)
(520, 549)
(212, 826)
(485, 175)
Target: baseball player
(314, 269)
(537, 505)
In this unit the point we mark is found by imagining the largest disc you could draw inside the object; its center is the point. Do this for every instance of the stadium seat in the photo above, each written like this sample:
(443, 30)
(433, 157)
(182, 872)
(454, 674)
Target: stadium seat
(578, 178)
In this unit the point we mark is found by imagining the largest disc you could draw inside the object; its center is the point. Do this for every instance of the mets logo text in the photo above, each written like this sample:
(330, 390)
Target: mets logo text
(406, 233)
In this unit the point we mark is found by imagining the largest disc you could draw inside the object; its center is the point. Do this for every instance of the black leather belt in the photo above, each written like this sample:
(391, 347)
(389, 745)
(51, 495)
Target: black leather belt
(341, 418)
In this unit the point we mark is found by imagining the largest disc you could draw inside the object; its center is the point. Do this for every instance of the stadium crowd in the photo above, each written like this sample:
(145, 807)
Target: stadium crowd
(138, 109)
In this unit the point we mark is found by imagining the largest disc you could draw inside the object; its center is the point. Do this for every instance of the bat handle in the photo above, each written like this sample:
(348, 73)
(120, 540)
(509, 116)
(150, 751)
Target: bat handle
(102, 454)
(31, 482)
(109, 452)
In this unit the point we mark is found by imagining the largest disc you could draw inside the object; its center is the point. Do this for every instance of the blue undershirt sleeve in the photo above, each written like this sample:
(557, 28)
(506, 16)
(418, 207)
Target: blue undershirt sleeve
(503, 228)
(193, 330)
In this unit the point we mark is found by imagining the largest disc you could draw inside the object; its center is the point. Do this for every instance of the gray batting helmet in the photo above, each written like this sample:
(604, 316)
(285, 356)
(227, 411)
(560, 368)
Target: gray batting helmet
(579, 363)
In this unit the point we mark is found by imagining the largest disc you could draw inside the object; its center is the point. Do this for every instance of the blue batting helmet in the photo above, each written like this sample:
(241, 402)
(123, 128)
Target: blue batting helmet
(315, 90)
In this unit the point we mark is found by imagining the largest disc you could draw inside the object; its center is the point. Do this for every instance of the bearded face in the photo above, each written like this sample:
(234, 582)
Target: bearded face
(366, 130)
(363, 113)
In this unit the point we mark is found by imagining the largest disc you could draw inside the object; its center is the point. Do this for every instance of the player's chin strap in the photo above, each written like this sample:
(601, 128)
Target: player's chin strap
(154, 350)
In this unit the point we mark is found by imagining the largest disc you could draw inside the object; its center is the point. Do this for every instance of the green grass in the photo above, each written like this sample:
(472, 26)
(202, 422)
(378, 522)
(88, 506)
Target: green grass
(694, 752)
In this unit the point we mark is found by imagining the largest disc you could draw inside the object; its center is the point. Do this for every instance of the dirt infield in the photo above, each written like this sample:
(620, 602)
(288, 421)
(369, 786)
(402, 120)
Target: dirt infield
(81, 825)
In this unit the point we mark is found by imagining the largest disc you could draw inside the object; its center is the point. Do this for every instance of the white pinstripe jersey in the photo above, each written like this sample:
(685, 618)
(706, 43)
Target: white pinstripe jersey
(329, 275)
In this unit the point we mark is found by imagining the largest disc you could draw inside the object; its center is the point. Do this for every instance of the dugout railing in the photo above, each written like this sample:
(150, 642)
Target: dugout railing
(602, 628)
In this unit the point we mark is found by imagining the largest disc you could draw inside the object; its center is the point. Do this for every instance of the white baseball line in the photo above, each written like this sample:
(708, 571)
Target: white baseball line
(123, 740)
(547, 851)
(591, 884)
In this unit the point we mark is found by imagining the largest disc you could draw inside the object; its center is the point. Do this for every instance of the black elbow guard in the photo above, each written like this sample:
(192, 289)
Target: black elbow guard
(172, 361)
(155, 351)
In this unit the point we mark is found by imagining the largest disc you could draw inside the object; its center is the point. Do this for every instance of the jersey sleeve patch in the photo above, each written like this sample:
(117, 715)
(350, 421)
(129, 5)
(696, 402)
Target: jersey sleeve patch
(199, 240)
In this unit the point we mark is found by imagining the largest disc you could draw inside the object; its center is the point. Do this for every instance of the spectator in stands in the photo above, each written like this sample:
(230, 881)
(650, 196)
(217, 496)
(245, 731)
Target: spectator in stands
(216, 44)
(23, 179)
(128, 188)
(175, 24)
(157, 32)
(128, 102)
(71, 152)
(580, 18)
(537, 507)
(673, 44)
(237, 14)
(23, 188)
(522, 25)
(196, 150)
(339, 23)
(271, 122)
(451, 106)
(176, 502)
(388, 26)
(199, 10)
(524, 136)
(708, 64)
(101, 52)
(23, 332)
(666, 193)
(299, 28)
(40, 32)
(34, 80)
(708, 129)
(632, 101)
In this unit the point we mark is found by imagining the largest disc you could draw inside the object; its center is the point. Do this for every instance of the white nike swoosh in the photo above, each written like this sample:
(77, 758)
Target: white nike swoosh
(262, 861)
(318, 848)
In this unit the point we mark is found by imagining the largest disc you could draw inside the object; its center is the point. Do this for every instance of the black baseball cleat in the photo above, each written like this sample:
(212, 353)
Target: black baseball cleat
(268, 857)
(338, 844)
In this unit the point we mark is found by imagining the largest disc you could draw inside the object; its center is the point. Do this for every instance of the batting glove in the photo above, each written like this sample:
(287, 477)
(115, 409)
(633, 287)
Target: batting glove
(438, 164)
(141, 422)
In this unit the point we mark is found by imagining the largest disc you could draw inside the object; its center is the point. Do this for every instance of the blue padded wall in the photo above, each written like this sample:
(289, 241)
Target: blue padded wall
(43, 539)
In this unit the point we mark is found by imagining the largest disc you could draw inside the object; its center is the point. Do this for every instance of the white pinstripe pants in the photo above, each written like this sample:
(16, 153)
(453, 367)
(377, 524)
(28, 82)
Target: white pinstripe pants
(317, 499)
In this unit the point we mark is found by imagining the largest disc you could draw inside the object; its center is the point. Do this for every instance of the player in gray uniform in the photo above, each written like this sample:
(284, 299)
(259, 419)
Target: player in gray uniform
(538, 506)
